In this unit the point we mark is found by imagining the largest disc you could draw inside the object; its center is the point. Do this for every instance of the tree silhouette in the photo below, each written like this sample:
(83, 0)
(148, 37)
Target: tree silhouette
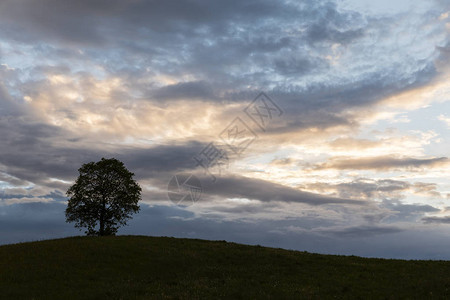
(103, 198)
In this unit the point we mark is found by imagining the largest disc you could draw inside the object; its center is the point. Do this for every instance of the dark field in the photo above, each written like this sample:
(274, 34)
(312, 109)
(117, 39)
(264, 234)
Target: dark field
(138, 267)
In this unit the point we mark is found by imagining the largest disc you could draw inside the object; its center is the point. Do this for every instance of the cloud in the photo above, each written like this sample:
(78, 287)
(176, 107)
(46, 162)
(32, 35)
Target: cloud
(23, 222)
(444, 119)
(215, 52)
(361, 231)
(185, 90)
(352, 143)
(436, 220)
(160, 160)
(362, 188)
(266, 191)
(382, 163)
(406, 212)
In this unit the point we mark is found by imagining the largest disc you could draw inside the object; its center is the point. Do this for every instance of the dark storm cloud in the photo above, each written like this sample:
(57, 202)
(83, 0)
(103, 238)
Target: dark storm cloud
(95, 22)
(298, 66)
(327, 104)
(12, 180)
(33, 221)
(35, 151)
(390, 192)
(362, 231)
(266, 191)
(228, 46)
(218, 41)
(400, 212)
(185, 90)
(381, 163)
(334, 26)
(157, 161)
(375, 241)
(8, 107)
(88, 21)
(29, 153)
(318, 32)
(437, 220)
(363, 188)
(206, 38)
(229, 186)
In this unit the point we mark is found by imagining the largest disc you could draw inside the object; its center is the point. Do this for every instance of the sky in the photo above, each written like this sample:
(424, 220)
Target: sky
(331, 119)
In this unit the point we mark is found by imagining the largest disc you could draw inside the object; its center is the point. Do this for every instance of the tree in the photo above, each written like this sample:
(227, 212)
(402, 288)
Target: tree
(103, 198)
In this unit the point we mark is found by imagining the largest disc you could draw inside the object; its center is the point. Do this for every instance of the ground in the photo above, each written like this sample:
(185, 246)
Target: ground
(140, 267)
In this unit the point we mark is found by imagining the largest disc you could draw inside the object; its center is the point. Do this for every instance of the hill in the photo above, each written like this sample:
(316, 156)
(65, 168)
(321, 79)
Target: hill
(130, 267)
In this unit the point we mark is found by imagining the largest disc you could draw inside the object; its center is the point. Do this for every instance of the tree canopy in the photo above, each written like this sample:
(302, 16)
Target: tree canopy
(103, 198)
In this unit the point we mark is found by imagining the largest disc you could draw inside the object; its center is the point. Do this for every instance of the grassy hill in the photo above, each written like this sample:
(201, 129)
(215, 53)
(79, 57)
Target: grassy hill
(130, 267)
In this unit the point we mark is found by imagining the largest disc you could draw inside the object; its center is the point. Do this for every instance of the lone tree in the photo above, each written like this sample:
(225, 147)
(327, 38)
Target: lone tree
(103, 198)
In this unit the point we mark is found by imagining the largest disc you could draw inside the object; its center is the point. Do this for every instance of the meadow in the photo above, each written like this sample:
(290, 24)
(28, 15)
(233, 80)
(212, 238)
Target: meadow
(141, 267)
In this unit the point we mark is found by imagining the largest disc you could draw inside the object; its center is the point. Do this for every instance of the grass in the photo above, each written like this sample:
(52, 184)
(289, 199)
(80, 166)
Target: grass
(139, 267)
